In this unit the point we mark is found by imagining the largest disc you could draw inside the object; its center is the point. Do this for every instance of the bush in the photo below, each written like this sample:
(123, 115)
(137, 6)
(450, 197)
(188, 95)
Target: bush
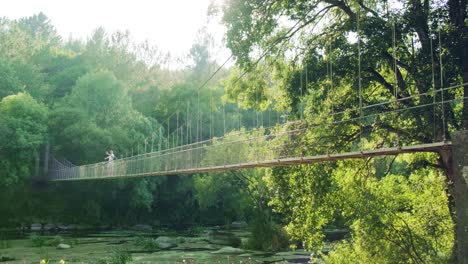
(117, 256)
(146, 243)
(37, 240)
(120, 256)
(55, 241)
(4, 244)
(267, 236)
(195, 231)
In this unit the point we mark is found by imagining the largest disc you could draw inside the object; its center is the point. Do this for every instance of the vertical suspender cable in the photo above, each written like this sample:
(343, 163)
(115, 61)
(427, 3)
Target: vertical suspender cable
(224, 118)
(261, 118)
(211, 115)
(394, 61)
(331, 75)
(168, 137)
(198, 114)
(433, 86)
(327, 62)
(395, 88)
(306, 79)
(300, 100)
(442, 83)
(359, 77)
(256, 118)
(239, 116)
(187, 122)
(269, 116)
(177, 129)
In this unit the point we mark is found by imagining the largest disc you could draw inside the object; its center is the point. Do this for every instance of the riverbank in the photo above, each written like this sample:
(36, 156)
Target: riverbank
(101, 247)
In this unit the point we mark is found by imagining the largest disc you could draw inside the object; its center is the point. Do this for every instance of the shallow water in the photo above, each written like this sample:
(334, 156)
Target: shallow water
(91, 248)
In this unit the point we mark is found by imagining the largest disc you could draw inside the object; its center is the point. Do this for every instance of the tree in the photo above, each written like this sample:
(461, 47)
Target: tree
(364, 51)
(23, 129)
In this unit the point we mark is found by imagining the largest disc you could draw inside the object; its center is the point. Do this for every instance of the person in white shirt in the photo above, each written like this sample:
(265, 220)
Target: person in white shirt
(110, 157)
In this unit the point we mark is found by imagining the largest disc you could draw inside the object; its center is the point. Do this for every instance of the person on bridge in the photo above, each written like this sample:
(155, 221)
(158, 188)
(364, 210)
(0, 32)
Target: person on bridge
(110, 156)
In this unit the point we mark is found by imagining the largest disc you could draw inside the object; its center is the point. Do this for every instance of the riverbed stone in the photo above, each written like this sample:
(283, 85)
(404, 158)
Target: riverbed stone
(165, 242)
(239, 224)
(63, 246)
(223, 238)
(36, 227)
(142, 228)
(180, 240)
(229, 250)
(50, 227)
(66, 227)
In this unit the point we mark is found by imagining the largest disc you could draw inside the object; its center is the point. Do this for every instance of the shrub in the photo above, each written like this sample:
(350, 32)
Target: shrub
(146, 243)
(37, 240)
(4, 244)
(120, 256)
(195, 231)
(55, 241)
(267, 236)
(117, 256)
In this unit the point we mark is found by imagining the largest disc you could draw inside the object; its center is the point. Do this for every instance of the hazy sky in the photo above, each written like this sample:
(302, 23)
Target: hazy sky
(170, 24)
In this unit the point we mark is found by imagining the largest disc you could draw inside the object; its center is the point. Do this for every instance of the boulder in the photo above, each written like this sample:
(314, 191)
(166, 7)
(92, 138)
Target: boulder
(180, 240)
(65, 227)
(165, 242)
(50, 227)
(194, 239)
(223, 238)
(142, 228)
(104, 227)
(63, 246)
(36, 227)
(239, 224)
(229, 250)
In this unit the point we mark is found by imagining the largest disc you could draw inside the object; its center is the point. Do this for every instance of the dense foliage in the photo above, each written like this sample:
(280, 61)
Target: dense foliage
(331, 61)
(80, 98)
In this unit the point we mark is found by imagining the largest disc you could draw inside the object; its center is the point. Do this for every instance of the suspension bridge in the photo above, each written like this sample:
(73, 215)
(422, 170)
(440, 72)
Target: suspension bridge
(303, 141)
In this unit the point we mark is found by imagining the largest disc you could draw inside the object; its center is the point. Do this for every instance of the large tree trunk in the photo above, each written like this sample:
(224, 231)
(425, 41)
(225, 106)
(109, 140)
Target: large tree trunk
(458, 174)
(457, 15)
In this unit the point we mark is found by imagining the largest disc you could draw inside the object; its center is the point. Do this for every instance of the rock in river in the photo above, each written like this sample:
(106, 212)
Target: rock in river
(63, 246)
(229, 250)
(239, 224)
(165, 242)
(142, 228)
(223, 238)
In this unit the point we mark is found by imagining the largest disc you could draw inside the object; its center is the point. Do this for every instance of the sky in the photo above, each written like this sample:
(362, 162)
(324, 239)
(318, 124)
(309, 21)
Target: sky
(171, 25)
